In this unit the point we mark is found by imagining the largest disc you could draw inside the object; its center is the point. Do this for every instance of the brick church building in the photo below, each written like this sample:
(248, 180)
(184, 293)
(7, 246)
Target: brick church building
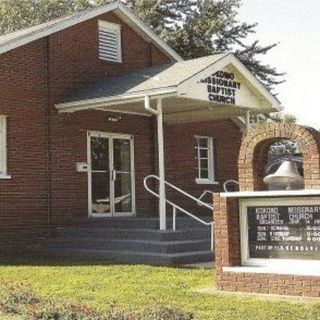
(93, 103)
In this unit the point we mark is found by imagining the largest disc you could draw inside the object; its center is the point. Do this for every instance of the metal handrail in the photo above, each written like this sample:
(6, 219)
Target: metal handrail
(228, 182)
(176, 207)
(203, 194)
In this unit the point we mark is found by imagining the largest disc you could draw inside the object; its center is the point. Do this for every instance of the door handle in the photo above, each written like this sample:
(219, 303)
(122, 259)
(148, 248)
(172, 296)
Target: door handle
(114, 175)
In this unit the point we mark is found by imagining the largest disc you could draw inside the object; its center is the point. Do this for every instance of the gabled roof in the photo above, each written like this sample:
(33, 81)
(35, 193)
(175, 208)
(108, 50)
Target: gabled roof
(21, 37)
(146, 80)
(177, 79)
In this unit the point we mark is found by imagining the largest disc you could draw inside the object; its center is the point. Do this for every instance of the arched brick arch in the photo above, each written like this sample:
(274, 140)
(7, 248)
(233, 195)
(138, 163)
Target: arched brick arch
(254, 149)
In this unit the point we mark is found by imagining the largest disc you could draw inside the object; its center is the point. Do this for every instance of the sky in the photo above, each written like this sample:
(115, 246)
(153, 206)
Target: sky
(295, 25)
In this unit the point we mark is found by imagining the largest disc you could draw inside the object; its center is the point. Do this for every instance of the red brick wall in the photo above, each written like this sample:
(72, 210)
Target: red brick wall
(36, 76)
(69, 188)
(270, 284)
(181, 161)
(74, 61)
(23, 100)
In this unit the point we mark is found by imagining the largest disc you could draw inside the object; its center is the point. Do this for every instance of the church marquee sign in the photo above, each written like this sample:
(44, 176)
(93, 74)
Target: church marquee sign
(280, 228)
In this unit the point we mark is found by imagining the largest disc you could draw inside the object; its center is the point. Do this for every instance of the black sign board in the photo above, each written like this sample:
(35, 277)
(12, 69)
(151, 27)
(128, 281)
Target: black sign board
(284, 232)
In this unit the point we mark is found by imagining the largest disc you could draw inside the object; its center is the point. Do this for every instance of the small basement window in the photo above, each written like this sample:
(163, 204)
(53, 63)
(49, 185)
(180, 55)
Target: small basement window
(3, 147)
(110, 41)
(205, 160)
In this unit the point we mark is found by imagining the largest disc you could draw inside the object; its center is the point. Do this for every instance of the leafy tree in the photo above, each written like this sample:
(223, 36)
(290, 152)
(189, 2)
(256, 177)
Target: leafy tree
(281, 148)
(19, 14)
(194, 28)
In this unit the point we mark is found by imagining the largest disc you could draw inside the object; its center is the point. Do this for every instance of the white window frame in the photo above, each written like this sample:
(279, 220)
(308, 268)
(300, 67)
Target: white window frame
(211, 162)
(3, 147)
(113, 27)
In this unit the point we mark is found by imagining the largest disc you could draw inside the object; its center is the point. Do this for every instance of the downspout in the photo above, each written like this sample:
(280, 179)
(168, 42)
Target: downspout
(48, 135)
(148, 107)
(162, 192)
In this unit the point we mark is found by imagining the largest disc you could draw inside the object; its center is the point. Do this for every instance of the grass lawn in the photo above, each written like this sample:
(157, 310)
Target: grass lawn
(133, 287)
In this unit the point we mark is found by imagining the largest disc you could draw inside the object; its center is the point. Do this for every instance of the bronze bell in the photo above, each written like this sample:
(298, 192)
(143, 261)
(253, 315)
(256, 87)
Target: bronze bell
(286, 177)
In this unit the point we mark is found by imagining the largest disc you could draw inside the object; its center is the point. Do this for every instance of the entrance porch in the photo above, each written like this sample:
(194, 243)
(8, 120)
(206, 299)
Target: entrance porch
(206, 89)
(180, 124)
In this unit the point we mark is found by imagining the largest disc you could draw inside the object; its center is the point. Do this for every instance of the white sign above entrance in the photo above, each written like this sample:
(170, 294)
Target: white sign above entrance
(222, 87)
(226, 86)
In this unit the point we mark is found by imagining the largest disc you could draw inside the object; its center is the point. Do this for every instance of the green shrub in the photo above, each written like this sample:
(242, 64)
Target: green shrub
(15, 297)
(163, 313)
(54, 311)
(19, 299)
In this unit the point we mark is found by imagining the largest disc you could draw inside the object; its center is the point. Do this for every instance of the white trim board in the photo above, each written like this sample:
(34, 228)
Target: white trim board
(114, 100)
(64, 23)
(275, 193)
(3, 147)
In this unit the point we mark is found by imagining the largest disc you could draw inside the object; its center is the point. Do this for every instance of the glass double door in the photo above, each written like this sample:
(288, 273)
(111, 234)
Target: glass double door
(110, 175)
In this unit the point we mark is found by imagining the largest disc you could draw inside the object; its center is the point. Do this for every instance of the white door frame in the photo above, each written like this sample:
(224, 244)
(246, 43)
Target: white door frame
(111, 136)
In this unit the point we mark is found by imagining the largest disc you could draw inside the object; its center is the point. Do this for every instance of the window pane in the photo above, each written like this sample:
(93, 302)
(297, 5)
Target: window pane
(99, 154)
(204, 164)
(203, 142)
(203, 153)
(122, 157)
(100, 193)
(123, 198)
(204, 174)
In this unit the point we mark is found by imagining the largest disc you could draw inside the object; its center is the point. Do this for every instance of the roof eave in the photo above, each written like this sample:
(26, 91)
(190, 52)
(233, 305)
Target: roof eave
(114, 100)
(162, 45)
(58, 27)
(275, 103)
(113, 6)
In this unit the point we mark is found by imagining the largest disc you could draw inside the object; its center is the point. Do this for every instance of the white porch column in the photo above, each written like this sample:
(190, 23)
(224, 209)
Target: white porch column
(162, 187)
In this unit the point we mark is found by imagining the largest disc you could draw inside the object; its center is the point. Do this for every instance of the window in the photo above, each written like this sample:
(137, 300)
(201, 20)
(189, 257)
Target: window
(110, 41)
(205, 160)
(3, 147)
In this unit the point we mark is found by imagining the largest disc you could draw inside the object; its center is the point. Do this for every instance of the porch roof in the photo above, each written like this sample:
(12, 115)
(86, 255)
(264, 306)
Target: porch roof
(186, 87)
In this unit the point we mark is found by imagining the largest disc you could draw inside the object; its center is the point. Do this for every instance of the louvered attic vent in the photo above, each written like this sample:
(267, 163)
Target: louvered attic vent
(109, 41)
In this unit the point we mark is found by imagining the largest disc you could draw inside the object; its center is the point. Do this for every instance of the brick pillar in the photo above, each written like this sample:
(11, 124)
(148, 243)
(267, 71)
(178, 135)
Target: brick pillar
(227, 234)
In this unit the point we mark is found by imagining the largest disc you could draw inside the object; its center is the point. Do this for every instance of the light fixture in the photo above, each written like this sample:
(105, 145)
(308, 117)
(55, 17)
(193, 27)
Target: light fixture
(114, 118)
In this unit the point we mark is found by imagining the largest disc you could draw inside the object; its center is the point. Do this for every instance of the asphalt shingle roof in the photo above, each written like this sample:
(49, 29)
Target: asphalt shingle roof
(8, 38)
(159, 77)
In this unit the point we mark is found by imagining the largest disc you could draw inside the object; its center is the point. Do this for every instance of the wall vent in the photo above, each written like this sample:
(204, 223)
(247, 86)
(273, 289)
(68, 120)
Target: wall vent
(110, 41)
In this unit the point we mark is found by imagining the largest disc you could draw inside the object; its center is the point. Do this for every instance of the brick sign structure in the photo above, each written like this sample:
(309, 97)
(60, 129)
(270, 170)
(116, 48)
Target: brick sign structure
(277, 232)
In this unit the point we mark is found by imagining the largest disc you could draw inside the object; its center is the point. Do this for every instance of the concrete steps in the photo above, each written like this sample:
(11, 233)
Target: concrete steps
(132, 257)
(132, 240)
(130, 245)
